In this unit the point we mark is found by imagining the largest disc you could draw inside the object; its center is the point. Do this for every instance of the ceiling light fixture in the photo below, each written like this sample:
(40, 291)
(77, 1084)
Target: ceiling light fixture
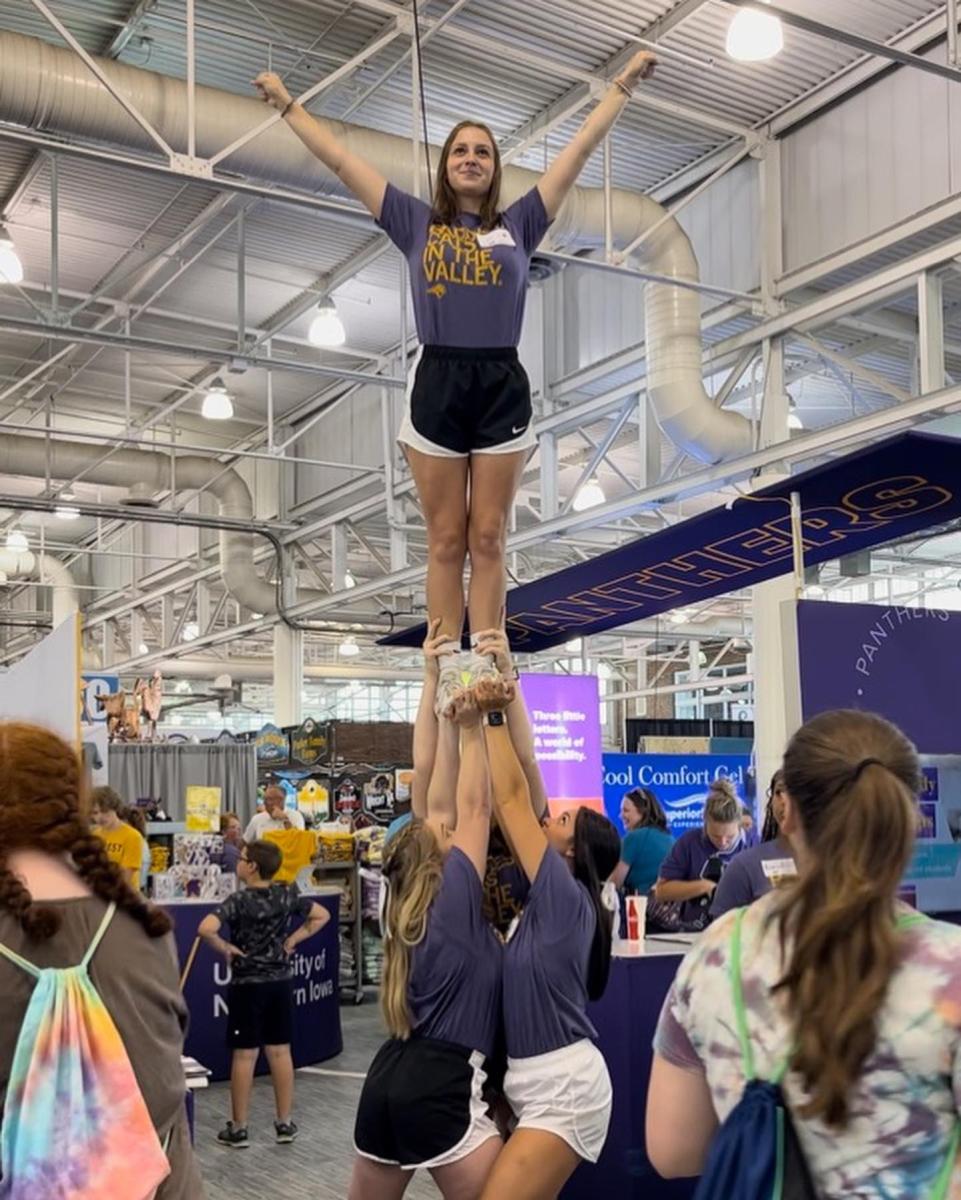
(588, 496)
(143, 648)
(17, 541)
(793, 418)
(11, 268)
(348, 648)
(754, 36)
(680, 616)
(327, 329)
(217, 405)
(814, 591)
(191, 631)
(66, 512)
(349, 580)
(574, 646)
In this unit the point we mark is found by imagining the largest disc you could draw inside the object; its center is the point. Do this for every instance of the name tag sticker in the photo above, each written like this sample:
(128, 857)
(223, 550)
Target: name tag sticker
(495, 237)
(778, 868)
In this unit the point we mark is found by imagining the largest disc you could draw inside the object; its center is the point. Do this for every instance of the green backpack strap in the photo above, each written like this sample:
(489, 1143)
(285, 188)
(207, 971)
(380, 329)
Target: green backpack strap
(943, 1183)
(740, 1009)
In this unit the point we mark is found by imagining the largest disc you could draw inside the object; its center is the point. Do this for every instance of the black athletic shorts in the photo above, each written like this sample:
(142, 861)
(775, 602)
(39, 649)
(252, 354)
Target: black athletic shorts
(260, 1014)
(466, 400)
(420, 1102)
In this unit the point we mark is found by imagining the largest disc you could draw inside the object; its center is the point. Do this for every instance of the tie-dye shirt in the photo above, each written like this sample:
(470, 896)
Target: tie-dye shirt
(906, 1103)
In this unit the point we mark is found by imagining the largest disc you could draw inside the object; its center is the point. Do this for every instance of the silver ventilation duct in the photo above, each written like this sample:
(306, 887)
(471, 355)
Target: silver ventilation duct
(48, 88)
(24, 564)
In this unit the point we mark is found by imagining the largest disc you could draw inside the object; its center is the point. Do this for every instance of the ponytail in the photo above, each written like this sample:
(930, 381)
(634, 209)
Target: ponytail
(722, 804)
(597, 851)
(853, 778)
(412, 873)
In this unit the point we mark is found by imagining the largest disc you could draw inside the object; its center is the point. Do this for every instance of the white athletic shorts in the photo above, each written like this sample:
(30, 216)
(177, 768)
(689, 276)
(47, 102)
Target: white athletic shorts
(566, 1092)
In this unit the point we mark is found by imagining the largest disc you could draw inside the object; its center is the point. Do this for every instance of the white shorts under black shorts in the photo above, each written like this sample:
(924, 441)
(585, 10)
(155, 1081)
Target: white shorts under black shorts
(463, 401)
(422, 1106)
(566, 1092)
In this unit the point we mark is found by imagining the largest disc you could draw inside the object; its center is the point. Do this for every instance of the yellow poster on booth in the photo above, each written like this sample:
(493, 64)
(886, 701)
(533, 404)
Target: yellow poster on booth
(203, 809)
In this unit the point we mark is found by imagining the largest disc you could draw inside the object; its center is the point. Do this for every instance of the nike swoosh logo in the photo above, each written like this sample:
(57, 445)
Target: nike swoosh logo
(516, 432)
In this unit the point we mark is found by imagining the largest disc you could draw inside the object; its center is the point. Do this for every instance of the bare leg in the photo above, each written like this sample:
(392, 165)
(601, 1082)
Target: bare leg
(241, 1084)
(377, 1181)
(282, 1076)
(465, 1180)
(494, 479)
(442, 489)
(534, 1165)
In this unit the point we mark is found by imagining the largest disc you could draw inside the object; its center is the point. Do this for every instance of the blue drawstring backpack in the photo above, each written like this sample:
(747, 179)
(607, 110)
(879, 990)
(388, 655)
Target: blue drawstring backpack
(756, 1154)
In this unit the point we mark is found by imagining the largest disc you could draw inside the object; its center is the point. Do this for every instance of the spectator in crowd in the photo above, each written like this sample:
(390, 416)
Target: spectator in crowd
(646, 843)
(230, 831)
(260, 997)
(57, 883)
(856, 994)
(276, 815)
(134, 817)
(753, 873)
(693, 868)
(124, 844)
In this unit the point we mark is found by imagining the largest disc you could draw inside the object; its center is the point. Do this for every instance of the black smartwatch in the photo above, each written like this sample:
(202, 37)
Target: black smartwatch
(494, 718)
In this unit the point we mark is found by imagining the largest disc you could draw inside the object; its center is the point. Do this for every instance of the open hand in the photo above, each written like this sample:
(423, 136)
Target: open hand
(641, 66)
(272, 90)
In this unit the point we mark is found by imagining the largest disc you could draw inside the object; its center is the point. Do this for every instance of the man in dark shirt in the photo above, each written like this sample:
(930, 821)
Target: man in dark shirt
(259, 999)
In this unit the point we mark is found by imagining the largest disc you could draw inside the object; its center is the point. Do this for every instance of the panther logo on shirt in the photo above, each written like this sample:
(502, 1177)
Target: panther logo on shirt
(452, 255)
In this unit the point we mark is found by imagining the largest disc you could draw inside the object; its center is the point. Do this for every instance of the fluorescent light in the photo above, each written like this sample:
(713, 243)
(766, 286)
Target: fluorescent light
(191, 632)
(574, 646)
(66, 512)
(11, 268)
(327, 329)
(17, 541)
(348, 648)
(143, 648)
(217, 405)
(754, 36)
(588, 496)
(349, 580)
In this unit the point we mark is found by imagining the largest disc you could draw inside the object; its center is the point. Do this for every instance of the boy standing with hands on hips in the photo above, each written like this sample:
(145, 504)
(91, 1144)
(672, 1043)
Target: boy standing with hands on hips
(260, 999)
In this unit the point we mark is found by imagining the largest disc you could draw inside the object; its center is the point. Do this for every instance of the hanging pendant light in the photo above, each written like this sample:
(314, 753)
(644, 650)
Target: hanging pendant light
(327, 329)
(11, 268)
(217, 405)
(754, 36)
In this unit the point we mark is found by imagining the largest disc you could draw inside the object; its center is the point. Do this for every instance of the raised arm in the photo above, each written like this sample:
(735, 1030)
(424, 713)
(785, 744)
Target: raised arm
(442, 790)
(425, 725)
(473, 793)
(562, 174)
(509, 789)
(494, 642)
(365, 181)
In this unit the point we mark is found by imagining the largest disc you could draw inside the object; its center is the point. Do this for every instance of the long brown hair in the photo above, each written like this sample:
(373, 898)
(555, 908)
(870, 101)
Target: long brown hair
(413, 869)
(853, 778)
(445, 205)
(41, 808)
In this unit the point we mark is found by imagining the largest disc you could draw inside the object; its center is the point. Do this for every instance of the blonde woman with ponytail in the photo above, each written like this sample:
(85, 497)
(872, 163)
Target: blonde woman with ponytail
(861, 994)
(421, 1103)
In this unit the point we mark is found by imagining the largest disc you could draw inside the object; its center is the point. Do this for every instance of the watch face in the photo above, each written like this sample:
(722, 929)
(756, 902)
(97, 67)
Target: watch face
(495, 718)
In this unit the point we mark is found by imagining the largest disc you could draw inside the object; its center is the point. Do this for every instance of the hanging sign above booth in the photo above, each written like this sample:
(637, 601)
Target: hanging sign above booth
(865, 499)
(308, 743)
(272, 745)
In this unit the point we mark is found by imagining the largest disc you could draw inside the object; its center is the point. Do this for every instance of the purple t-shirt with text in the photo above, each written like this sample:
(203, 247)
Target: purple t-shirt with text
(688, 858)
(454, 989)
(546, 964)
(465, 293)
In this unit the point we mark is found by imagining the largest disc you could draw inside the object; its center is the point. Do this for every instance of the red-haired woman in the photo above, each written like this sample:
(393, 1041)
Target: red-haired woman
(468, 428)
(56, 886)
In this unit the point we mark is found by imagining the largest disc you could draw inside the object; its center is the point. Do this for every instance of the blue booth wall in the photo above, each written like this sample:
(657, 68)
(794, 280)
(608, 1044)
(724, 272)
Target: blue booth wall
(680, 782)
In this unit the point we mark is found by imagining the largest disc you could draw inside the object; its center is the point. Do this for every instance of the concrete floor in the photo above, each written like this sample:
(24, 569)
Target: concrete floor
(317, 1166)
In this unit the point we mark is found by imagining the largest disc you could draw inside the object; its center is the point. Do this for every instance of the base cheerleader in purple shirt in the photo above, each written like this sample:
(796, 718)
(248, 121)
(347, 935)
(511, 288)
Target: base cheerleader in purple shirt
(421, 1104)
(467, 431)
(557, 958)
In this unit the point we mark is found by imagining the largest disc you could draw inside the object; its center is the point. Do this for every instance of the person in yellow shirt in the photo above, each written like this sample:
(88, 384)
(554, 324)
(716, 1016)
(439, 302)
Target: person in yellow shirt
(124, 844)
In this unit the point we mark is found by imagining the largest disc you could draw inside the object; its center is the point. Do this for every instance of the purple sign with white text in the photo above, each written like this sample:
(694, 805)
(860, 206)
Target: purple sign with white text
(566, 718)
(899, 662)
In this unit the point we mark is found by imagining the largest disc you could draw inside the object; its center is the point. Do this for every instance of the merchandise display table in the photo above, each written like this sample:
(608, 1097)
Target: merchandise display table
(626, 1018)
(317, 1033)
